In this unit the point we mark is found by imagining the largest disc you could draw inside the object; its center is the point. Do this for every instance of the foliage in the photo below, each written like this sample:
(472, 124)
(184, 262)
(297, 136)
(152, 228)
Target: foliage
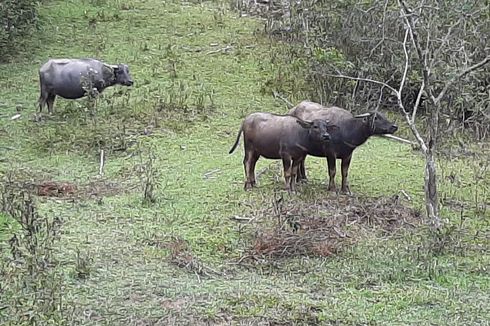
(366, 38)
(17, 18)
(30, 285)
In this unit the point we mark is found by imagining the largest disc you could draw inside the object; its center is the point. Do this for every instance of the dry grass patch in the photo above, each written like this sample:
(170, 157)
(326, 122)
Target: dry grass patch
(42, 185)
(323, 227)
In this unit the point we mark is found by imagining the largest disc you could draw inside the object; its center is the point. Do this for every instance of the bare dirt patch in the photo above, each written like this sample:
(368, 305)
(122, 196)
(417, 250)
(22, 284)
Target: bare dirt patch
(323, 227)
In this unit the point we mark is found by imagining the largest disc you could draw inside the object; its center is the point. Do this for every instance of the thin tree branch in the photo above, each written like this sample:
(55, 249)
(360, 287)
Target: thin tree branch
(412, 126)
(399, 139)
(460, 75)
(382, 30)
(408, 17)
(443, 42)
(379, 99)
(417, 101)
(366, 80)
(282, 98)
(405, 70)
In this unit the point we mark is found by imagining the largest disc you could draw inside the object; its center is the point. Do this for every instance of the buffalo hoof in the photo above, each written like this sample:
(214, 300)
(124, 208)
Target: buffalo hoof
(345, 191)
(332, 188)
(291, 191)
(248, 186)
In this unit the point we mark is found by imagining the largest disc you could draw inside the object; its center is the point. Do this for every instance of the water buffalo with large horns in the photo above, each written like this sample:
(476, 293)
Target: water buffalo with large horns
(69, 78)
(280, 137)
(351, 132)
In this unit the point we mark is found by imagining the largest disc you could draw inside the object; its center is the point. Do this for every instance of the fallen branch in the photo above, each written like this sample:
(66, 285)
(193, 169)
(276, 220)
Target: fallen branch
(208, 174)
(239, 218)
(225, 49)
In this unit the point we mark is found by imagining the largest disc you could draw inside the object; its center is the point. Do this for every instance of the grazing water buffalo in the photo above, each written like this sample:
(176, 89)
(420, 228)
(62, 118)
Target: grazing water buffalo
(279, 137)
(65, 78)
(352, 132)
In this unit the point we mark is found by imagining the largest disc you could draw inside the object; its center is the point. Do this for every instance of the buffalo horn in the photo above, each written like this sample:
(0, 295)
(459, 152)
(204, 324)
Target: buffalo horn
(363, 115)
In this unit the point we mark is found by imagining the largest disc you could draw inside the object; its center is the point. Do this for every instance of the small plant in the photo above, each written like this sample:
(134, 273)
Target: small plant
(92, 94)
(83, 264)
(148, 177)
(31, 285)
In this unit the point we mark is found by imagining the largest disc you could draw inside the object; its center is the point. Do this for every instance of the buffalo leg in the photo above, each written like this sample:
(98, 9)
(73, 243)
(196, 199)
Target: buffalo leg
(345, 172)
(286, 163)
(42, 102)
(331, 173)
(301, 175)
(295, 173)
(253, 161)
(50, 102)
(249, 164)
(43, 96)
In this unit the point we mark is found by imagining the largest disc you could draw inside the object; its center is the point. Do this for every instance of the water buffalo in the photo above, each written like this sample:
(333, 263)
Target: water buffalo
(68, 78)
(352, 131)
(279, 137)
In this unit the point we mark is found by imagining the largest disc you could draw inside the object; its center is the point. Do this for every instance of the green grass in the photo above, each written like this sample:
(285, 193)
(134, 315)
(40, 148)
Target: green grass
(175, 53)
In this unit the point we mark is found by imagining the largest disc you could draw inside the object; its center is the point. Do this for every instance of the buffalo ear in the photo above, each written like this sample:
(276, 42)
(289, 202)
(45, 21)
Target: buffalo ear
(304, 124)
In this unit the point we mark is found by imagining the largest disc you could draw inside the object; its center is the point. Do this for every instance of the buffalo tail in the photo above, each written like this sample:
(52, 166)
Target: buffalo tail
(237, 140)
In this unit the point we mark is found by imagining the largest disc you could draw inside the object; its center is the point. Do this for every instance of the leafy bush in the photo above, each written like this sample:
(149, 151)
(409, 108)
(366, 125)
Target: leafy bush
(17, 17)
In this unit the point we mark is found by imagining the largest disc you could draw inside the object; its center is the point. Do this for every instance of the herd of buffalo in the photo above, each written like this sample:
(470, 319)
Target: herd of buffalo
(307, 129)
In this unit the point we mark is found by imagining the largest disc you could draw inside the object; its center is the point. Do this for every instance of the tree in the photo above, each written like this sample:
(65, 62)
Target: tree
(429, 55)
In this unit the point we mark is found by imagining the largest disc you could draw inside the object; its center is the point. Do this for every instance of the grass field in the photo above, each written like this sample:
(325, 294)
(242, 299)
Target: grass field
(192, 256)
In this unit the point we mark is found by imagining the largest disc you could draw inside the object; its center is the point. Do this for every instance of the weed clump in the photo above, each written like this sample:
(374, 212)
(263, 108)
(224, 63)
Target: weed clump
(30, 283)
(181, 256)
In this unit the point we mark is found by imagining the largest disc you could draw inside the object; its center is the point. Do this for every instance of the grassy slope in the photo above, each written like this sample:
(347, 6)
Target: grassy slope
(131, 280)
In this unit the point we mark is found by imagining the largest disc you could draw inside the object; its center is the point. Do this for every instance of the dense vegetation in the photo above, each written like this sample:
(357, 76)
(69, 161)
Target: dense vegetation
(162, 233)
(17, 19)
(364, 39)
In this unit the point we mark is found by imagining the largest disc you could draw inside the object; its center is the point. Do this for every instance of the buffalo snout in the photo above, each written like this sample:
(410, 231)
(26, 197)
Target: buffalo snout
(393, 129)
(326, 136)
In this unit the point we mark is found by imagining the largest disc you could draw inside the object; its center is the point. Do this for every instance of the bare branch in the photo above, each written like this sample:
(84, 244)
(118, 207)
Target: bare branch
(460, 75)
(282, 98)
(382, 30)
(408, 17)
(366, 80)
(414, 129)
(417, 101)
(444, 41)
(405, 70)
(412, 126)
(379, 99)
(399, 139)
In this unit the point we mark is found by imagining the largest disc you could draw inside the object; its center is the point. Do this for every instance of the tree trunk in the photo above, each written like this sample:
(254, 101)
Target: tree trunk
(430, 186)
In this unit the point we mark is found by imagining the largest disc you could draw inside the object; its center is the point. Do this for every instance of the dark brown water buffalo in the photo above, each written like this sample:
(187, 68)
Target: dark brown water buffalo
(280, 137)
(351, 132)
(65, 78)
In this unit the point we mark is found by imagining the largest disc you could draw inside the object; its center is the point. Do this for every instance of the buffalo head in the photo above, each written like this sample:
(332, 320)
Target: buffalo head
(317, 129)
(377, 122)
(121, 72)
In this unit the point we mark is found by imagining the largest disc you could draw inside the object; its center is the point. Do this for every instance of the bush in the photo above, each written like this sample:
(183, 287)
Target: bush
(17, 17)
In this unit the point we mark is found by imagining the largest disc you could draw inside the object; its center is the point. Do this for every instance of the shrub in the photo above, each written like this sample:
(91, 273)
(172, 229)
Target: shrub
(17, 17)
